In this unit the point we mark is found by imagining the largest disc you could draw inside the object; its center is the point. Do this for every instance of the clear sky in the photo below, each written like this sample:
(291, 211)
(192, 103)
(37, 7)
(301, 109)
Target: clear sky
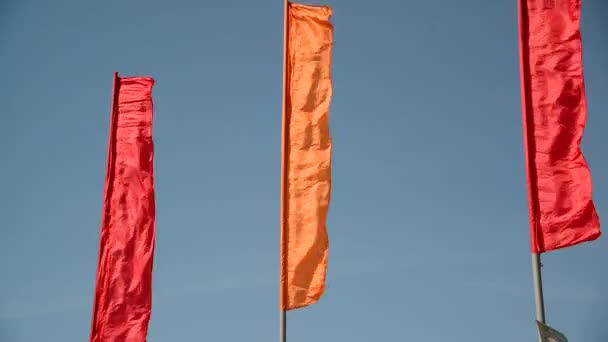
(428, 222)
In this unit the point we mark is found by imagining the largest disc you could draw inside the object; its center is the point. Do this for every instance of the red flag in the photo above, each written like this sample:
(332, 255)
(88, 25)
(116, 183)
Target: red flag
(123, 294)
(561, 209)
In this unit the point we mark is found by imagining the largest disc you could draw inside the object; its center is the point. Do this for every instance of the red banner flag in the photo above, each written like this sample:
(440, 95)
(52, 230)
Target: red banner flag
(123, 294)
(561, 209)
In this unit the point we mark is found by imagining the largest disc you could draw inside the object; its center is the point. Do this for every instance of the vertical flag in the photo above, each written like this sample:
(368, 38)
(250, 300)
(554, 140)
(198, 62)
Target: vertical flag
(306, 155)
(123, 293)
(561, 210)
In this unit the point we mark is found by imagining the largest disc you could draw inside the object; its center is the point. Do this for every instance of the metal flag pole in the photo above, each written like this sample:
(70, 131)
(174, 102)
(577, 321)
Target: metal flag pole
(523, 47)
(538, 290)
(284, 185)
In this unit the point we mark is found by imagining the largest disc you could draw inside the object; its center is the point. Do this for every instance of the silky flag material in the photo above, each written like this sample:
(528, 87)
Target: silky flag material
(306, 170)
(123, 294)
(561, 210)
(548, 334)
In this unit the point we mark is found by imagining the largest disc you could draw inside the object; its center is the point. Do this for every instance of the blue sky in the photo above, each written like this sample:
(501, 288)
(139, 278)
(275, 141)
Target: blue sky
(428, 220)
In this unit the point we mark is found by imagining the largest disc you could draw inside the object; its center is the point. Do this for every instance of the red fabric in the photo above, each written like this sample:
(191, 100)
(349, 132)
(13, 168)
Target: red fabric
(123, 295)
(562, 213)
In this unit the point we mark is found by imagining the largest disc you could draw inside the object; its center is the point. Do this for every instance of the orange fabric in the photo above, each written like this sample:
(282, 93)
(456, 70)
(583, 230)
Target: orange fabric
(306, 156)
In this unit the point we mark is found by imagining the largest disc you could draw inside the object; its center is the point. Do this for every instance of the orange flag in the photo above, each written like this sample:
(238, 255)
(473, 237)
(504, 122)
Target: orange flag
(306, 154)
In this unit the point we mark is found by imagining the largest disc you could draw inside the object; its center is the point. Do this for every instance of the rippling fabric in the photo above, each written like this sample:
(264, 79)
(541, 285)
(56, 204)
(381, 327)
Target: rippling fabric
(123, 295)
(561, 209)
(307, 159)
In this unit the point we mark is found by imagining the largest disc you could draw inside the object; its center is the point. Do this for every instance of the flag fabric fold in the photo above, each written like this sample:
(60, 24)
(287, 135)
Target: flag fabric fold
(561, 209)
(123, 293)
(548, 334)
(307, 147)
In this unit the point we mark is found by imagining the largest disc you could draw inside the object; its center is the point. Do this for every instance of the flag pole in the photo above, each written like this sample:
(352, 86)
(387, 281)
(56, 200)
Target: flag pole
(109, 165)
(538, 289)
(284, 185)
(536, 263)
